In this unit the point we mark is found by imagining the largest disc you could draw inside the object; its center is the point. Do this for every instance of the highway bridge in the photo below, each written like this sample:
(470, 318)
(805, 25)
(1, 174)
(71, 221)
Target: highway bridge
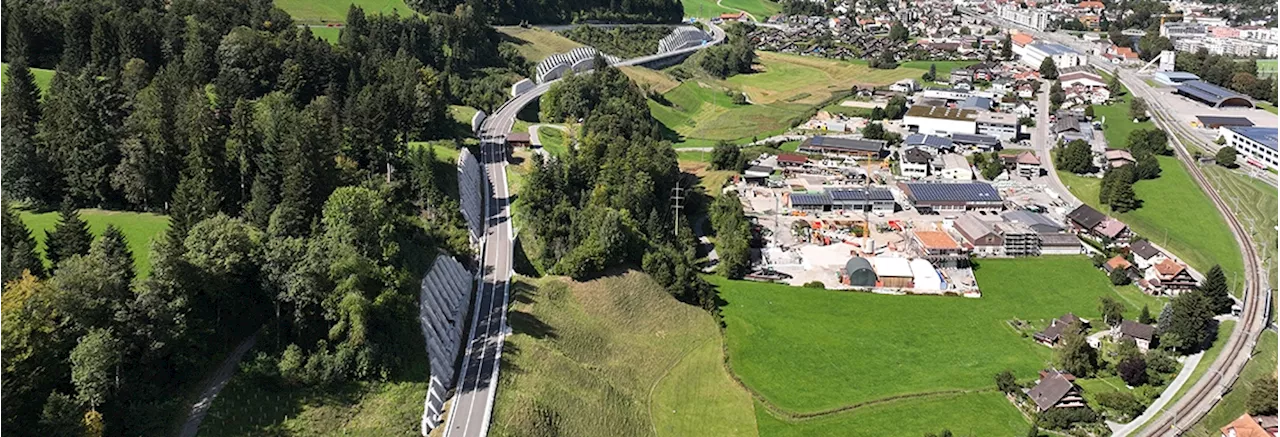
(472, 407)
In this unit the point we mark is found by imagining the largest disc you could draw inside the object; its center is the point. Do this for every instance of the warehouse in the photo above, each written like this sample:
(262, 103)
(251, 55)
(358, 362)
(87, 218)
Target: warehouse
(861, 199)
(1063, 57)
(952, 197)
(939, 120)
(1213, 95)
(893, 272)
(812, 202)
(1173, 78)
(983, 143)
(1256, 144)
(859, 148)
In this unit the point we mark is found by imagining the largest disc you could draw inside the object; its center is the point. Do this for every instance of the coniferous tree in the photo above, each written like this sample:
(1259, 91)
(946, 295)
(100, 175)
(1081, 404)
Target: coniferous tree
(114, 256)
(1145, 317)
(1006, 49)
(25, 175)
(1215, 289)
(83, 121)
(69, 237)
(18, 250)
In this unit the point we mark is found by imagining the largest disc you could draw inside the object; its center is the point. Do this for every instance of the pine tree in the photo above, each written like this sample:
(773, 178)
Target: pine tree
(83, 120)
(24, 174)
(18, 247)
(69, 237)
(1216, 290)
(1006, 49)
(1048, 70)
(1145, 317)
(194, 199)
(114, 257)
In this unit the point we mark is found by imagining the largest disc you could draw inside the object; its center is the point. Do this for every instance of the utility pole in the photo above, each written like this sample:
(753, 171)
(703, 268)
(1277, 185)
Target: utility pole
(677, 194)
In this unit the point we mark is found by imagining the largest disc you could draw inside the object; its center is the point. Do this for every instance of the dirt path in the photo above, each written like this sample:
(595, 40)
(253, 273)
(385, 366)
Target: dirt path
(213, 386)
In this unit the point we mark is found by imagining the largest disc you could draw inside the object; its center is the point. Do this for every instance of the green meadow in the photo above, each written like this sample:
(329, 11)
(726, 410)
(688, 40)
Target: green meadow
(139, 228)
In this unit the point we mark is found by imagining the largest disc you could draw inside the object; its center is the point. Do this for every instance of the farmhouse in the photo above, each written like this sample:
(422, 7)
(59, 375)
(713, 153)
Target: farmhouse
(1118, 157)
(1141, 334)
(1170, 277)
(1052, 334)
(952, 197)
(1056, 390)
(1256, 144)
(862, 149)
(1028, 165)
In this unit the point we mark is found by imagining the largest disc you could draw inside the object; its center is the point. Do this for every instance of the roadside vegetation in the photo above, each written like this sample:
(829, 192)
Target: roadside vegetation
(624, 42)
(613, 356)
(536, 44)
(1255, 388)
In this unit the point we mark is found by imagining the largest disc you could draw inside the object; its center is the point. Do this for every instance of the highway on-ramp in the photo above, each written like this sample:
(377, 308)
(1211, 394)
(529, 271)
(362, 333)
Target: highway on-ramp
(472, 407)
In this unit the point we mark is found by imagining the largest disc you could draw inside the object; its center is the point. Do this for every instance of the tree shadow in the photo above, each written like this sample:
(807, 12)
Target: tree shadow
(523, 265)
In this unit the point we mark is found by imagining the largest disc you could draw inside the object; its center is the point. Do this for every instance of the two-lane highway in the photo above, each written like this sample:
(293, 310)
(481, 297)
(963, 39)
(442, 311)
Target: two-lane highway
(472, 407)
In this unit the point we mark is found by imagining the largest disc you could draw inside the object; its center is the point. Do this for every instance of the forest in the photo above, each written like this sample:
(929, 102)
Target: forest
(562, 11)
(300, 207)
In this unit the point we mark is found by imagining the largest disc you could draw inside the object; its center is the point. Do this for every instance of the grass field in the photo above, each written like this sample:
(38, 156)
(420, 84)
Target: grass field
(552, 140)
(760, 9)
(1254, 203)
(704, 8)
(814, 350)
(944, 67)
(536, 44)
(1267, 107)
(42, 76)
(781, 91)
(137, 227)
(616, 356)
(1232, 404)
(1174, 214)
(329, 34)
(335, 11)
(971, 414)
(1118, 124)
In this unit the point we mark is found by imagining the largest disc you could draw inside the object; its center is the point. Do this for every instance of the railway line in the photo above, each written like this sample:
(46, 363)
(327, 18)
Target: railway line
(1224, 371)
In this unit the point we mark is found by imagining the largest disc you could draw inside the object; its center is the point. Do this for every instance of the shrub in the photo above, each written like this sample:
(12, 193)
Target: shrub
(1064, 418)
(1123, 403)
(815, 284)
(1133, 370)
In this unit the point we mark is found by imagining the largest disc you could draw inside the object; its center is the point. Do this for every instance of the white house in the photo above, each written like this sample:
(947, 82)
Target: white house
(905, 86)
(998, 124)
(914, 163)
(955, 167)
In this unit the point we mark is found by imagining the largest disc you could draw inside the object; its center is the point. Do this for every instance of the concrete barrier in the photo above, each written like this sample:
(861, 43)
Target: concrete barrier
(524, 85)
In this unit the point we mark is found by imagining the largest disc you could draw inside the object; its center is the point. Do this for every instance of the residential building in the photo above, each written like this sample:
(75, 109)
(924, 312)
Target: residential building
(1118, 157)
(858, 148)
(998, 124)
(1085, 220)
(935, 244)
(1142, 335)
(1257, 145)
(1056, 390)
(914, 163)
(1028, 165)
(1246, 426)
(1037, 19)
(935, 197)
(1145, 254)
(939, 120)
(1019, 239)
(1170, 277)
(1123, 265)
(905, 86)
(1052, 334)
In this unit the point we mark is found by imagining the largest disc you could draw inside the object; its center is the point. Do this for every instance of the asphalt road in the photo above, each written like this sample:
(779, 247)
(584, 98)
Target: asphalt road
(472, 407)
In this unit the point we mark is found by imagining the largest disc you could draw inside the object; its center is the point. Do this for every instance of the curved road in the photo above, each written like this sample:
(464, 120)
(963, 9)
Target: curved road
(472, 407)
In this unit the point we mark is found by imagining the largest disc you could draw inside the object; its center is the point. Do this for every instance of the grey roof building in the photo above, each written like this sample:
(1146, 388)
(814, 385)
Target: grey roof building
(1038, 222)
(952, 196)
(859, 273)
(846, 146)
(1056, 390)
(1213, 95)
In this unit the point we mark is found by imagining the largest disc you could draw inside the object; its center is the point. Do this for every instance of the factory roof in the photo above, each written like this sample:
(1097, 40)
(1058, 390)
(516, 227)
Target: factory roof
(799, 199)
(1212, 94)
(1053, 49)
(940, 112)
(1261, 135)
(844, 144)
(951, 192)
(975, 139)
(928, 140)
(874, 193)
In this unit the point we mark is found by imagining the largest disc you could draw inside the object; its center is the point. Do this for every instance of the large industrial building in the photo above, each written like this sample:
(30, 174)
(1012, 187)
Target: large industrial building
(1063, 57)
(952, 197)
(873, 199)
(940, 120)
(859, 148)
(1256, 144)
(1213, 95)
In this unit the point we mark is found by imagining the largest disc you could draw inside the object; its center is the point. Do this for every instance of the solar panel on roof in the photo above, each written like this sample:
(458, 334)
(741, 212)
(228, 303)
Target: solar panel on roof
(859, 194)
(810, 199)
(947, 192)
(974, 139)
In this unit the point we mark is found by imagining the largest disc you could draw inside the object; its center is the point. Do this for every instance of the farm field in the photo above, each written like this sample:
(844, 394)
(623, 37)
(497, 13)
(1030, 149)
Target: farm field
(1232, 404)
(536, 44)
(613, 356)
(970, 414)
(138, 228)
(335, 11)
(704, 8)
(781, 92)
(1174, 214)
(795, 346)
(760, 9)
(42, 76)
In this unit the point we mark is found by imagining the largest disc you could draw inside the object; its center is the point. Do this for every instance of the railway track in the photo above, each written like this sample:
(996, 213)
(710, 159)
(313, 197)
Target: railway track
(1224, 371)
